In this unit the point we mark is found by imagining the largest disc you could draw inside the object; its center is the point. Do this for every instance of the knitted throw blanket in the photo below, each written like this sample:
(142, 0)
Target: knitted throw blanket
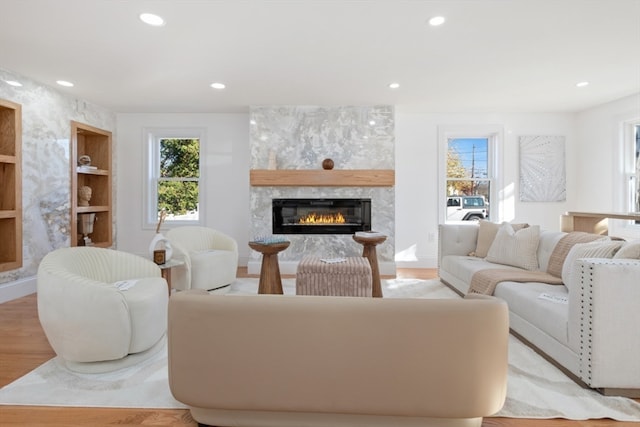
(485, 281)
(563, 247)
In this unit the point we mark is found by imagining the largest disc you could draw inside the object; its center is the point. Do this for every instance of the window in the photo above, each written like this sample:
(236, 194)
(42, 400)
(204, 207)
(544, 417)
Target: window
(627, 191)
(468, 173)
(634, 170)
(631, 155)
(175, 178)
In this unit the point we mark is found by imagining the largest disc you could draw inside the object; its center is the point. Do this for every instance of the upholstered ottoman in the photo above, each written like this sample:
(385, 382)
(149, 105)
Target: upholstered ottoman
(351, 277)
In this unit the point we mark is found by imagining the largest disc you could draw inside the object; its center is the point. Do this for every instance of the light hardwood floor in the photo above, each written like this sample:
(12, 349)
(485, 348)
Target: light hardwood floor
(23, 347)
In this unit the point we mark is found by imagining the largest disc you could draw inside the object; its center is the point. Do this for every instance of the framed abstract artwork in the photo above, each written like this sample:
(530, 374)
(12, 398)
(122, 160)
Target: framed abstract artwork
(542, 169)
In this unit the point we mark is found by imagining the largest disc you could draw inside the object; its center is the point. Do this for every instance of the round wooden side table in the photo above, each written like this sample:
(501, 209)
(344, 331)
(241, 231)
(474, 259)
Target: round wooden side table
(369, 251)
(270, 281)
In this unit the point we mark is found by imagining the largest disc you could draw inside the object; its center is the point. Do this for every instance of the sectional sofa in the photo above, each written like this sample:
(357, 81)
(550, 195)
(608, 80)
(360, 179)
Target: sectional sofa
(587, 322)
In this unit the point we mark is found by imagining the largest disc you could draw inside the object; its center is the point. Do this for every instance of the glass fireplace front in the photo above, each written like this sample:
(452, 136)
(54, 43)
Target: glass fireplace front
(321, 216)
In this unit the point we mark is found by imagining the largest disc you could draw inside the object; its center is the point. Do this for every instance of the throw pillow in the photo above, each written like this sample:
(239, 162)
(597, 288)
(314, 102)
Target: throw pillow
(564, 245)
(516, 248)
(597, 249)
(629, 250)
(486, 234)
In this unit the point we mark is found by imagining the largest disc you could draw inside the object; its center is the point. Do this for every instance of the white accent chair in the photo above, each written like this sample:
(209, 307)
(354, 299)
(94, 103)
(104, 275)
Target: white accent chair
(210, 258)
(91, 323)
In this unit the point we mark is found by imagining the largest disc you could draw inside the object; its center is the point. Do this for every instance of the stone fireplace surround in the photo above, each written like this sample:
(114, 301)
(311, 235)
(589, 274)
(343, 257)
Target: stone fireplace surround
(301, 137)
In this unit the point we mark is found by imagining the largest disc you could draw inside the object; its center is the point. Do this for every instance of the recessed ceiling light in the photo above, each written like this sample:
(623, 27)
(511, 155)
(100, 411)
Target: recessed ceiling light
(218, 85)
(394, 85)
(13, 83)
(64, 83)
(151, 19)
(582, 84)
(436, 20)
(372, 122)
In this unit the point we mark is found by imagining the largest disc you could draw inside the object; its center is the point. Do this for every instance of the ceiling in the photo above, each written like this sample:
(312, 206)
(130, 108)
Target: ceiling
(489, 56)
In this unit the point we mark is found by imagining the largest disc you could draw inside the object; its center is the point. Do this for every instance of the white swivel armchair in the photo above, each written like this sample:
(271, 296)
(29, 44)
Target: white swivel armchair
(210, 258)
(101, 309)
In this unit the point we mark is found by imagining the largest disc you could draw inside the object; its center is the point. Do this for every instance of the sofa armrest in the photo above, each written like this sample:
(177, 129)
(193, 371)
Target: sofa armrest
(609, 293)
(457, 239)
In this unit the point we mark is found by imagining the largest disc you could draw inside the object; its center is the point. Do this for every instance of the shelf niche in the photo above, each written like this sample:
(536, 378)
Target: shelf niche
(95, 143)
(11, 187)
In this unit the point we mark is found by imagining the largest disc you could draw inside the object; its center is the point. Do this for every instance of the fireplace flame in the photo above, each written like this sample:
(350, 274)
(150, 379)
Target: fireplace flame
(314, 218)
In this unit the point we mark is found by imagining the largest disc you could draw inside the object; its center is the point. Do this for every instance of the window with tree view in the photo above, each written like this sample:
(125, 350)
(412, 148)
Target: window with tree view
(468, 180)
(175, 178)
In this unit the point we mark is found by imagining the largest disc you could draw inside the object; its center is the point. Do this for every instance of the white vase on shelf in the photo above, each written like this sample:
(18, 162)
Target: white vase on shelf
(161, 242)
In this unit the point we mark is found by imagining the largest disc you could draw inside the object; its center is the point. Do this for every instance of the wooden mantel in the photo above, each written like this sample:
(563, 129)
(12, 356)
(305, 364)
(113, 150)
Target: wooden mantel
(322, 178)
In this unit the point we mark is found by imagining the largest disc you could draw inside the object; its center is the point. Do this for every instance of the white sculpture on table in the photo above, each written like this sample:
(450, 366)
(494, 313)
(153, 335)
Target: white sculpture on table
(161, 242)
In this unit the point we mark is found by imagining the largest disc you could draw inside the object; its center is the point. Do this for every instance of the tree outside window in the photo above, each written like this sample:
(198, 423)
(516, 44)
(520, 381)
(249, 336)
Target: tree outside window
(179, 177)
(468, 167)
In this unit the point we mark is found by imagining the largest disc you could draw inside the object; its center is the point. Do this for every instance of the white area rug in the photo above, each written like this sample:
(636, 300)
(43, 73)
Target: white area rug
(536, 389)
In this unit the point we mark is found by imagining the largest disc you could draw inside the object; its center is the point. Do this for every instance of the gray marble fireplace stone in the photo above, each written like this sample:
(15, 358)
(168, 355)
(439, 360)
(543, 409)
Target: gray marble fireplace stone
(300, 138)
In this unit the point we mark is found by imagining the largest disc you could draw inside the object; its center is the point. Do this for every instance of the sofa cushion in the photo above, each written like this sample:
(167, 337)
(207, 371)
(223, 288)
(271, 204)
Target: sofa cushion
(629, 250)
(549, 316)
(487, 233)
(548, 242)
(597, 249)
(516, 248)
(463, 268)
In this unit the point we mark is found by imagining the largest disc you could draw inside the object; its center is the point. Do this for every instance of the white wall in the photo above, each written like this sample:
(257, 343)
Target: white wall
(589, 166)
(417, 176)
(599, 160)
(592, 139)
(226, 175)
(598, 132)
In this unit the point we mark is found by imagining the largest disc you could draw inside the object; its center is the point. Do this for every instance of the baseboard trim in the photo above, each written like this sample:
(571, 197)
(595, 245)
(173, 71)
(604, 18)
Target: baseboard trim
(17, 289)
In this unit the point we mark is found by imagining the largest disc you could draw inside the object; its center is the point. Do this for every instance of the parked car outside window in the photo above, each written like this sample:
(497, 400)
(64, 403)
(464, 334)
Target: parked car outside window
(467, 208)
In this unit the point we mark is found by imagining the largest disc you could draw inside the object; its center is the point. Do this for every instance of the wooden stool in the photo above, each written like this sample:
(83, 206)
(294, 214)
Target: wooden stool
(351, 277)
(270, 281)
(369, 251)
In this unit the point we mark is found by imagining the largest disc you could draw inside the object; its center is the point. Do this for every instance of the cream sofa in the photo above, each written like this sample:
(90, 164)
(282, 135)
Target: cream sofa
(589, 325)
(291, 360)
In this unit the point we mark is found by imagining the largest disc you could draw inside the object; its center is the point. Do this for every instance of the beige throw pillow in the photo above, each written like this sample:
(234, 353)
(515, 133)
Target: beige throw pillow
(629, 250)
(516, 248)
(487, 233)
(597, 249)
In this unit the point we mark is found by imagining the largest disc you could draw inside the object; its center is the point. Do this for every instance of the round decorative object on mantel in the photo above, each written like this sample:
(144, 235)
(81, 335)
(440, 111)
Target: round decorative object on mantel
(327, 164)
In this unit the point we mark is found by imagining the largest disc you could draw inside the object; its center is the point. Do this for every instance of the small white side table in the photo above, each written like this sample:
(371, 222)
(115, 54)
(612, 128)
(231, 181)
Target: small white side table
(165, 269)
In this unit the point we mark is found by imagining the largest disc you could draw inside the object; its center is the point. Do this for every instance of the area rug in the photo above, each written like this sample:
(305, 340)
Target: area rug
(536, 389)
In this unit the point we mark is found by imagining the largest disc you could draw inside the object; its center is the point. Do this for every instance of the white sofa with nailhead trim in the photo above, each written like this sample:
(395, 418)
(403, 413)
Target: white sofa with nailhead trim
(591, 330)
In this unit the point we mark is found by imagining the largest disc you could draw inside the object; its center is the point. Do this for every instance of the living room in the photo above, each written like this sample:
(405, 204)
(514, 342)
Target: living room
(589, 118)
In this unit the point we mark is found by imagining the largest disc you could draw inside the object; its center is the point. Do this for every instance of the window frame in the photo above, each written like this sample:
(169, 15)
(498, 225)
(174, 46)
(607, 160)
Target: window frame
(495, 137)
(153, 136)
(625, 182)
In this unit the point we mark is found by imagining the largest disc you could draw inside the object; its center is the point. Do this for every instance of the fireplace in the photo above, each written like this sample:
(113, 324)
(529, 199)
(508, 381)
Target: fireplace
(321, 216)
